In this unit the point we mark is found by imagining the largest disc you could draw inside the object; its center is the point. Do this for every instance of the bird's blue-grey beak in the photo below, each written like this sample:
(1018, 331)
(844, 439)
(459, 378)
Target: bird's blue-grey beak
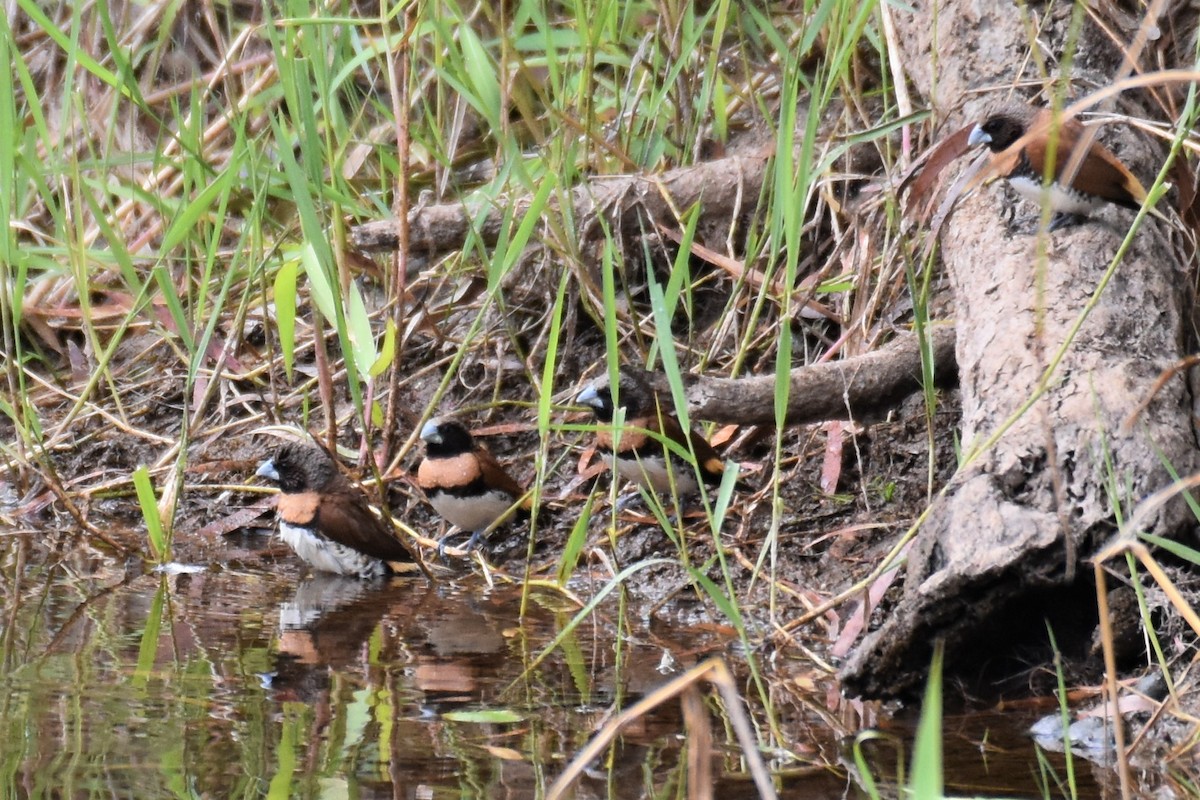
(430, 432)
(978, 136)
(589, 397)
(267, 470)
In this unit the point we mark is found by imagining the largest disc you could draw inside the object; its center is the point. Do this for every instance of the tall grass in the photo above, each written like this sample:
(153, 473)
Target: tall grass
(183, 183)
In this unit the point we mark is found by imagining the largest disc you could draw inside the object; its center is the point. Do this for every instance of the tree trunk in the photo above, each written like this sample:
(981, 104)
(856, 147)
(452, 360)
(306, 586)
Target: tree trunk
(1039, 495)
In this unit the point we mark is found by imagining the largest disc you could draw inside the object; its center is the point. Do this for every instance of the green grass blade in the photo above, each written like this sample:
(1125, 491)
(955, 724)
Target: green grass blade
(285, 311)
(928, 765)
(358, 330)
(573, 549)
(159, 545)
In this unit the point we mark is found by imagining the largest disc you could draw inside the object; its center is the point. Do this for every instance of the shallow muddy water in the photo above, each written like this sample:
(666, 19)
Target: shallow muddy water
(261, 681)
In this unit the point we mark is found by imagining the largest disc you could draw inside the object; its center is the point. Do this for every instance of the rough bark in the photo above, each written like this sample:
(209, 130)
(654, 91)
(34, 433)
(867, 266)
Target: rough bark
(1022, 517)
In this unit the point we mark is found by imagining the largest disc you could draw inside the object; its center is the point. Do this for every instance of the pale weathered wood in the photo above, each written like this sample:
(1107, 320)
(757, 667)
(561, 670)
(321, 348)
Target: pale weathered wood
(1019, 521)
(721, 189)
(862, 388)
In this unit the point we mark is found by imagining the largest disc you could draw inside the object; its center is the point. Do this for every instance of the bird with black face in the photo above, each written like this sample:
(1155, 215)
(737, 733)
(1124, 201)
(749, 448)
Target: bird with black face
(327, 520)
(464, 482)
(1023, 139)
(640, 454)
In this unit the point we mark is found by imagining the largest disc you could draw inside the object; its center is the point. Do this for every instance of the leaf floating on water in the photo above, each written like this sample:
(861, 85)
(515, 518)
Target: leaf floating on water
(503, 753)
(501, 715)
(175, 568)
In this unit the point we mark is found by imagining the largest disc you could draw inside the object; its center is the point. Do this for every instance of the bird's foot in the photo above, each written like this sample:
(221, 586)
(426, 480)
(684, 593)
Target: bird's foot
(472, 542)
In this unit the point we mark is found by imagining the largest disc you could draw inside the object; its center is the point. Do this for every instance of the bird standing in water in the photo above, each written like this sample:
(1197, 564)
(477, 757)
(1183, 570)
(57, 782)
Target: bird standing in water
(327, 520)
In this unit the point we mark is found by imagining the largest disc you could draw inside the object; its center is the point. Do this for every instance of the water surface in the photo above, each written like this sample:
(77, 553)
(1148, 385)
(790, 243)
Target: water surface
(245, 681)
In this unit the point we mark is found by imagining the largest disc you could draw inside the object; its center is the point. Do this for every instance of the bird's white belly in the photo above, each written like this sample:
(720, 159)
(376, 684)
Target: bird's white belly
(472, 513)
(1067, 201)
(329, 556)
(655, 474)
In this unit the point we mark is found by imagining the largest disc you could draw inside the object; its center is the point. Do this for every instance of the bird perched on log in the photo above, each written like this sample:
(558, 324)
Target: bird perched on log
(327, 520)
(641, 454)
(1024, 139)
(465, 483)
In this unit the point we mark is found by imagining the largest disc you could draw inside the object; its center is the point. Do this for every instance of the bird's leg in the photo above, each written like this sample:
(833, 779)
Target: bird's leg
(623, 500)
(1062, 219)
(471, 543)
